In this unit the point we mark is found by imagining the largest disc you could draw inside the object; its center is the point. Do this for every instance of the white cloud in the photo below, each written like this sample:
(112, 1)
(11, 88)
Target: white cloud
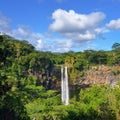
(4, 24)
(78, 37)
(78, 27)
(114, 24)
(54, 45)
(63, 45)
(22, 32)
(40, 41)
(66, 22)
(76, 31)
(72, 26)
(39, 44)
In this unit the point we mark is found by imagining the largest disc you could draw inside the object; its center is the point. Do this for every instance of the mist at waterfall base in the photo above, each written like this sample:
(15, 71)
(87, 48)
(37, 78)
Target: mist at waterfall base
(64, 86)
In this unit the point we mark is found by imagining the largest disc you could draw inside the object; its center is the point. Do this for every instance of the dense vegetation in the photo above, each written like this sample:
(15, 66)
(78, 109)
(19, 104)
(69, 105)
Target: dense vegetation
(28, 81)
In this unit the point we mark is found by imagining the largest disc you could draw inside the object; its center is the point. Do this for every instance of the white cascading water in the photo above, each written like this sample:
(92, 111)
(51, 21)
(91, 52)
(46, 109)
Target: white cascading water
(64, 86)
(62, 83)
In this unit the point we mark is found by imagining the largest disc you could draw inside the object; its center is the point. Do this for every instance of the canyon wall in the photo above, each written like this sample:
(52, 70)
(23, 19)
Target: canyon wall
(100, 75)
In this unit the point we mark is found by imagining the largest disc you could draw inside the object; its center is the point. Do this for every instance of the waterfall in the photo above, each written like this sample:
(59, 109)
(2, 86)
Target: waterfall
(64, 86)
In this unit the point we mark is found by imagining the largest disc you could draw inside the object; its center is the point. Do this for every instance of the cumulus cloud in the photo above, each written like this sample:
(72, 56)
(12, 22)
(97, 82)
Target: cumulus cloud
(71, 25)
(4, 23)
(114, 24)
(22, 32)
(55, 45)
(76, 26)
(39, 44)
(76, 31)
(40, 41)
(63, 45)
(71, 22)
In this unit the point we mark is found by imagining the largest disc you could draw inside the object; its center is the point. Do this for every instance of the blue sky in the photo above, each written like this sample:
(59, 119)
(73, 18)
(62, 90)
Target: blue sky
(62, 25)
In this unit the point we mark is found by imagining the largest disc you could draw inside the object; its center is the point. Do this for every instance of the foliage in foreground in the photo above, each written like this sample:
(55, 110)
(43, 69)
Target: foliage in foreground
(96, 103)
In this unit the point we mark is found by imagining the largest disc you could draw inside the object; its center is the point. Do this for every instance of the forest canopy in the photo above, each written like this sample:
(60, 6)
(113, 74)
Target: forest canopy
(28, 81)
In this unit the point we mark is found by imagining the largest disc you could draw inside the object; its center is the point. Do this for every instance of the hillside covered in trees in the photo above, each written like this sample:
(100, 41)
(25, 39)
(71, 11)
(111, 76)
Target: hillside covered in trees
(30, 82)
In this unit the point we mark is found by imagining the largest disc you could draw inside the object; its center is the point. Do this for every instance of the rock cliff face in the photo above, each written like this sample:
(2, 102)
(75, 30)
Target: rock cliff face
(101, 75)
(94, 75)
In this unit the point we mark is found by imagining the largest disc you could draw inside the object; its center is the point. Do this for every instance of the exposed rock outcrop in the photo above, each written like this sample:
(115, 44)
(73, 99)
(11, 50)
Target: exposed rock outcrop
(101, 75)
